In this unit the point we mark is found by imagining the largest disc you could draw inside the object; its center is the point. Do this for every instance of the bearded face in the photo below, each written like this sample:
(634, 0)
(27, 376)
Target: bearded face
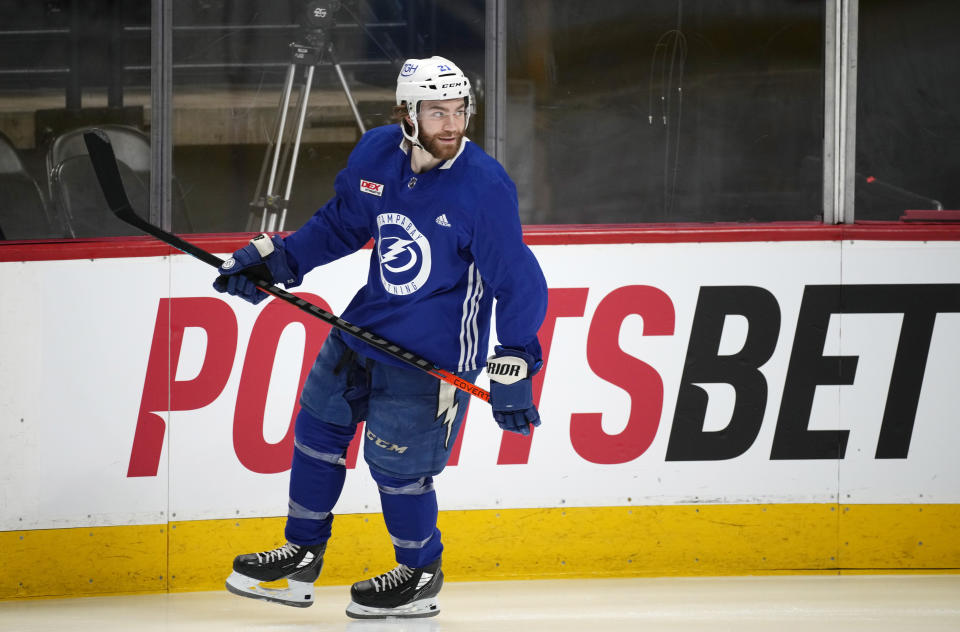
(442, 126)
(442, 145)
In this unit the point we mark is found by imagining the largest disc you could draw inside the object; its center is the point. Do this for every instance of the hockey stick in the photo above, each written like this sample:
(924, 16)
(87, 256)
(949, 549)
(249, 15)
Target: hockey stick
(108, 174)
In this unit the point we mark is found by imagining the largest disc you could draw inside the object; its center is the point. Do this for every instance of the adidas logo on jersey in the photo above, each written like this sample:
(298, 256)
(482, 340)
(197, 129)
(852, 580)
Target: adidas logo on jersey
(442, 220)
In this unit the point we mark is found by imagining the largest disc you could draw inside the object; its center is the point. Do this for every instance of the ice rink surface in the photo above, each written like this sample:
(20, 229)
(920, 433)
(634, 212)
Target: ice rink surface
(905, 603)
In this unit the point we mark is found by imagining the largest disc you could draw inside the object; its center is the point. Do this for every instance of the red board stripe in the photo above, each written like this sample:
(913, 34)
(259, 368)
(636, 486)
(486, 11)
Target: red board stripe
(145, 246)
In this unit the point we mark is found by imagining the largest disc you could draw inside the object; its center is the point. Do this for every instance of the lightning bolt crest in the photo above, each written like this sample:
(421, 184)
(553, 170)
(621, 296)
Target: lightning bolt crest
(395, 249)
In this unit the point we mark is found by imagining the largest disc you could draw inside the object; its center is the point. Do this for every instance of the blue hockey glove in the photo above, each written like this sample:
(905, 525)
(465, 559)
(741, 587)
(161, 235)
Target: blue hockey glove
(263, 258)
(511, 389)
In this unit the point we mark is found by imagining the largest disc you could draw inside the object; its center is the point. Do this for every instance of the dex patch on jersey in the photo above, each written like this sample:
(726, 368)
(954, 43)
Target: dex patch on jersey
(404, 254)
(373, 188)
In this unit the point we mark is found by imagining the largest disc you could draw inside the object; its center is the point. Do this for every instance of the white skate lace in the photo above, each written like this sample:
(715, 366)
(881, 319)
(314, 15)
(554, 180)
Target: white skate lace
(281, 553)
(392, 579)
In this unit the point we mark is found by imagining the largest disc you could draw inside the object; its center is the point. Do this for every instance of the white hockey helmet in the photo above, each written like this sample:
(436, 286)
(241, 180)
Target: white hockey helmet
(431, 79)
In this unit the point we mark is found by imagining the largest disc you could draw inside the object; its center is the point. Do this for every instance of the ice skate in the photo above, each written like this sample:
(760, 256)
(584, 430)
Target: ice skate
(299, 565)
(403, 592)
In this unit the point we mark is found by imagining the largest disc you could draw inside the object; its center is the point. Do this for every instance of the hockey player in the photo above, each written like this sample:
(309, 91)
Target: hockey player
(448, 242)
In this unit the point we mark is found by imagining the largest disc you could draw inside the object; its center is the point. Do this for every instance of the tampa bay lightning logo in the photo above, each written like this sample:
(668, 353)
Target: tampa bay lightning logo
(404, 254)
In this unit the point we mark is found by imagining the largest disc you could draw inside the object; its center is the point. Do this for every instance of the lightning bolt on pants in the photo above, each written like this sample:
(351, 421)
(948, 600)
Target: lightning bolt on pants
(410, 512)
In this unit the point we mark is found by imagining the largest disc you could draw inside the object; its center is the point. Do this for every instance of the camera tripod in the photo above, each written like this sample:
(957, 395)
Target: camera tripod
(280, 159)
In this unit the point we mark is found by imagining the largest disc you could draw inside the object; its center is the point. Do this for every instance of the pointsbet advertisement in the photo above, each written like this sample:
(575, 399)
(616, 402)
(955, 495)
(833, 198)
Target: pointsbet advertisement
(740, 372)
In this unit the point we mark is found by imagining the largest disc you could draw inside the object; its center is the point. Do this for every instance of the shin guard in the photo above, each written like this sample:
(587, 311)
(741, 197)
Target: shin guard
(410, 512)
(317, 475)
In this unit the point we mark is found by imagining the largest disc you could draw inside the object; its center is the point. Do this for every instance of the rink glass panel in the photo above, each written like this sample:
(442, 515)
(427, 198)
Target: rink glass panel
(908, 122)
(661, 111)
(615, 113)
(65, 66)
(231, 62)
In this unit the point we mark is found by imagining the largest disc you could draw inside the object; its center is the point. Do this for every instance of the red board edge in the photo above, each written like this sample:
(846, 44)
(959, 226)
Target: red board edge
(145, 246)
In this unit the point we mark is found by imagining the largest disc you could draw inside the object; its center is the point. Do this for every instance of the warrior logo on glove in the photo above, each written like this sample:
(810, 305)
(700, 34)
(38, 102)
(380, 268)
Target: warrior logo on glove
(507, 370)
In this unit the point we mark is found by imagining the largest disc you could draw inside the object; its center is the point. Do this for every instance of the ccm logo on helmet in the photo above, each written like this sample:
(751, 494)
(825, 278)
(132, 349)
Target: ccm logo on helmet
(452, 85)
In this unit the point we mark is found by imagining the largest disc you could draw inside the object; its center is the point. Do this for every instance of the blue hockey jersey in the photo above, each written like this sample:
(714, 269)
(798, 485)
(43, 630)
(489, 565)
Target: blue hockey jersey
(447, 242)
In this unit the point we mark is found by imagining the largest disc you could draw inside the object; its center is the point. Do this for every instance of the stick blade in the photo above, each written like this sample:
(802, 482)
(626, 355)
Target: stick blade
(108, 172)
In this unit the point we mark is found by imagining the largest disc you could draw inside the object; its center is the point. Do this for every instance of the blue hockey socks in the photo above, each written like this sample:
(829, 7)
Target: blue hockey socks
(410, 511)
(316, 478)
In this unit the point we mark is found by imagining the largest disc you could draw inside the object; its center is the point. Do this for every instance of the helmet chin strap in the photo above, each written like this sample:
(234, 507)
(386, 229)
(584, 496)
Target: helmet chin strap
(415, 138)
(420, 162)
